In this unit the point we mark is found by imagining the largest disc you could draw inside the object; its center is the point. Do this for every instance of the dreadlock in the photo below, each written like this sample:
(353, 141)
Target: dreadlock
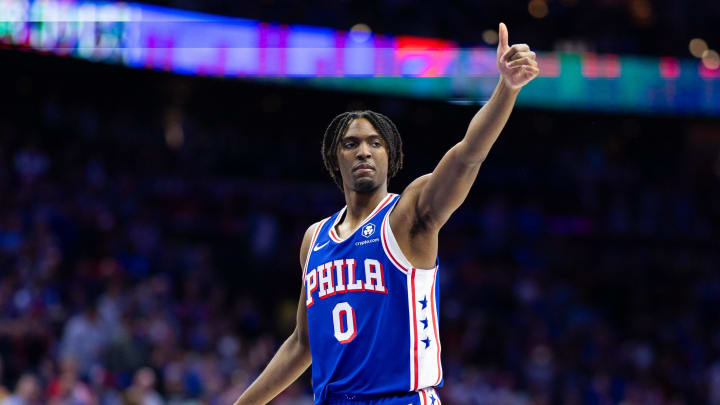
(338, 127)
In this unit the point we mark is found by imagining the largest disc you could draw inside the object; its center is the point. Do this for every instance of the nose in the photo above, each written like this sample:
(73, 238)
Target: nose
(363, 151)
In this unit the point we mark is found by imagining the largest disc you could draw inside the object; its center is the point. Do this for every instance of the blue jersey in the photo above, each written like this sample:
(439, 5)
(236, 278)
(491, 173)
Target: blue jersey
(372, 317)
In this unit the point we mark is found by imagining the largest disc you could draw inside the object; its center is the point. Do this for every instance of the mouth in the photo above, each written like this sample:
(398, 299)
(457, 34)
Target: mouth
(363, 169)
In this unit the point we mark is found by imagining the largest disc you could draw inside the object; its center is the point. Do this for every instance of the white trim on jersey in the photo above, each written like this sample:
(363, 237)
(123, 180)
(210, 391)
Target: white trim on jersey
(312, 245)
(334, 236)
(436, 327)
(391, 247)
(428, 396)
(425, 366)
(413, 331)
(425, 350)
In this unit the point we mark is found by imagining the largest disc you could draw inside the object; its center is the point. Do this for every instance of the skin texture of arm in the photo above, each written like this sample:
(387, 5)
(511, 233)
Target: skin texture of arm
(293, 357)
(428, 202)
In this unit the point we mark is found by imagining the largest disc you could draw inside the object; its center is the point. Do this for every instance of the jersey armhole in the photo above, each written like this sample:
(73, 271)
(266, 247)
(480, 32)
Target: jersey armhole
(391, 247)
(312, 243)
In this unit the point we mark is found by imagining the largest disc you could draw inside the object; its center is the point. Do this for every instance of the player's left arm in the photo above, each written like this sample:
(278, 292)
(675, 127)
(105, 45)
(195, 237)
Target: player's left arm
(441, 192)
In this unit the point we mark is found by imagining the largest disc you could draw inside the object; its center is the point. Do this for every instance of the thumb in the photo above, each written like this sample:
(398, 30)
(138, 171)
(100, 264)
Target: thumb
(502, 39)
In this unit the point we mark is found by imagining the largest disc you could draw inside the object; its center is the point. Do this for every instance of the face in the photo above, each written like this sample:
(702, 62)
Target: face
(362, 157)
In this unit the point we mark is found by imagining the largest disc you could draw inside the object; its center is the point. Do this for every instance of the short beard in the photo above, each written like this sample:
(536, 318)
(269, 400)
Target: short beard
(365, 185)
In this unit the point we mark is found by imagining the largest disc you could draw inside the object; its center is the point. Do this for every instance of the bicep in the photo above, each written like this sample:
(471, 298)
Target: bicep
(444, 190)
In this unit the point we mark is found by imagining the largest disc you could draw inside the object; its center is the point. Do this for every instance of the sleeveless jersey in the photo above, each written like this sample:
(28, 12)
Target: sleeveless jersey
(372, 317)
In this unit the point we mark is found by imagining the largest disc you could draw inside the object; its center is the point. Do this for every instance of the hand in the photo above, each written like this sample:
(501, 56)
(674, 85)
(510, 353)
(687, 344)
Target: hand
(516, 63)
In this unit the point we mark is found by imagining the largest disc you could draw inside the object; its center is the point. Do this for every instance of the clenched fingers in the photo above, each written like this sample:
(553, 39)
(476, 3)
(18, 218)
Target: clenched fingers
(525, 54)
(526, 70)
(513, 50)
(526, 61)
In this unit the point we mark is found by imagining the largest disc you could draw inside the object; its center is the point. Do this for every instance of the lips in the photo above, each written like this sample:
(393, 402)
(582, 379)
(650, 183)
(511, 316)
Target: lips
(362, 167)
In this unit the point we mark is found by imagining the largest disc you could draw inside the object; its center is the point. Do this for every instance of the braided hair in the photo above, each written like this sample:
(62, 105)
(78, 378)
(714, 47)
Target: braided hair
(337, 128)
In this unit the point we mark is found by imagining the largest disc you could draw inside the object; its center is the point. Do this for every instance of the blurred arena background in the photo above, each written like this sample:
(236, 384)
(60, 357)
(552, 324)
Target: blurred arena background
(158, 169)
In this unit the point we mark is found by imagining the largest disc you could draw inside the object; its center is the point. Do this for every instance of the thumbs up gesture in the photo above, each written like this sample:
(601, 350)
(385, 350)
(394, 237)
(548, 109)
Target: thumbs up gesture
(516, 63)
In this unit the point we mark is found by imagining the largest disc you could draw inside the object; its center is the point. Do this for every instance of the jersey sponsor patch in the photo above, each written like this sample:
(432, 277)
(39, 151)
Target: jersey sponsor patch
(368, 230)
(365, 242)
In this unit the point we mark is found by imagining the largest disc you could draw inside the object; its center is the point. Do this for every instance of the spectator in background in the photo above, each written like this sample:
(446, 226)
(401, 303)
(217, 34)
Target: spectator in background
(84, 337)
(68, 389)
(142, 391)
(27, 392)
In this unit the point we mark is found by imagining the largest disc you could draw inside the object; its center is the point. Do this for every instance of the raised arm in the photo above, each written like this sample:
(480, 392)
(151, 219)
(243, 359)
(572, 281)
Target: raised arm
(440, 193)
(293, 357)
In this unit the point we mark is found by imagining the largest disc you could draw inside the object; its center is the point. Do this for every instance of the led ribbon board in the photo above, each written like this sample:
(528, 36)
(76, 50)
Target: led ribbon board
(151, 37)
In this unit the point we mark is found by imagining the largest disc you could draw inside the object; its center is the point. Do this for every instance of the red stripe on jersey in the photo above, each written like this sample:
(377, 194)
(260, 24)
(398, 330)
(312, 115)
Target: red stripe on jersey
(423, 397)
(333, 236)
(387, 248)
(312, 243)
(336, 238)
(415, 337)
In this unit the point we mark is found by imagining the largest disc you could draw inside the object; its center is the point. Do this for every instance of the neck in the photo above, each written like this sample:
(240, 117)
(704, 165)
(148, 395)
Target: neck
(360, 205)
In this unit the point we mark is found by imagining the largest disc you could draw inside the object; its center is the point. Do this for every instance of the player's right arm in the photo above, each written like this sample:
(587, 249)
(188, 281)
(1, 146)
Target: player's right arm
(293, 357)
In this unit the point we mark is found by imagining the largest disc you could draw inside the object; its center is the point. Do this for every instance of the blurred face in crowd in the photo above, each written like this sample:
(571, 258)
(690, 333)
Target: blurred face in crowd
(145, 379)
(28, 387)
(362, 157)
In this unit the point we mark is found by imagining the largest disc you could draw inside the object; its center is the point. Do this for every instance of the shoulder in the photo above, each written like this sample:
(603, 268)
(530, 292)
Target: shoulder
(417, 184)
(307, 239)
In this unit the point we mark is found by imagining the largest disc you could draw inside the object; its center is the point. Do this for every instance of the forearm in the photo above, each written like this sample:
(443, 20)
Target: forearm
(290, 361)
(486, 125)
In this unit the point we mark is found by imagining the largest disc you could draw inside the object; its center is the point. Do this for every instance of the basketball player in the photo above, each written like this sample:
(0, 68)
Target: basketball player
(367, 319)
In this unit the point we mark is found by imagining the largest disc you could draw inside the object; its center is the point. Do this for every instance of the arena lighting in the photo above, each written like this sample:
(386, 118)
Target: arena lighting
(538, 8)
(711, 59)
(360, 33)
(490, 37)
(697, 46)
(358, 60)
(669, 68)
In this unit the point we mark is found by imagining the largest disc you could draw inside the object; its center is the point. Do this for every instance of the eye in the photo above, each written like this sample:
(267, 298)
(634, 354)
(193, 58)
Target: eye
(348, 145)
(377, 144)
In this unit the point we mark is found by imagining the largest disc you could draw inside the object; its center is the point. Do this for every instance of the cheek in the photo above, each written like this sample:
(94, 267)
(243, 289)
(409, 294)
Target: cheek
(386, 156)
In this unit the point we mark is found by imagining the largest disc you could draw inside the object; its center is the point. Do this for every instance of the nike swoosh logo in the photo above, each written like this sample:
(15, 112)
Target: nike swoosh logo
(318, 247)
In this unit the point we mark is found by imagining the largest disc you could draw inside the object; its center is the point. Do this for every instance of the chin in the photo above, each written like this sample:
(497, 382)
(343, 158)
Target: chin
(365, 185)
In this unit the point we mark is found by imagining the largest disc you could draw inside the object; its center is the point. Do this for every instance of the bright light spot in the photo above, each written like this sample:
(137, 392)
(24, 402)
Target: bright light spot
(669, 68)
(490, 37)
(14, 11)
(697, 47)
(711, 59)
(360, 33)
(538, 8)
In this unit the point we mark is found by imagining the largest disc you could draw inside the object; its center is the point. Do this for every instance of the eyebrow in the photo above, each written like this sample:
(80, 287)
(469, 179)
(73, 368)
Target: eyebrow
(353, 137)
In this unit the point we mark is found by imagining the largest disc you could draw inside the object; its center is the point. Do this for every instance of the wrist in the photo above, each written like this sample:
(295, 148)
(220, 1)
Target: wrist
(506, 88)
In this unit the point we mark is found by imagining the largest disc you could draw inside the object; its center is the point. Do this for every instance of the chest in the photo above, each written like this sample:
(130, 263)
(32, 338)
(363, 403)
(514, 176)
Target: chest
(353, 266)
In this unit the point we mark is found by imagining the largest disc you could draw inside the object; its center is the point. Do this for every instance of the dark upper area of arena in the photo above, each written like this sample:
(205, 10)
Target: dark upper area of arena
(658, 27)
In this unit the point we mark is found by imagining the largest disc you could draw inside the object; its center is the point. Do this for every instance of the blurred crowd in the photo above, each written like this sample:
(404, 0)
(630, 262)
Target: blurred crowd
(150, 227)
